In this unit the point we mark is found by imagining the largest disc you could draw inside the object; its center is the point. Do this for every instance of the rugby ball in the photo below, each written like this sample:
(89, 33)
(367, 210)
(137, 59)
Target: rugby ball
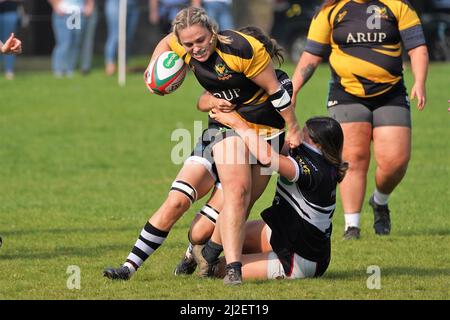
(166, 73)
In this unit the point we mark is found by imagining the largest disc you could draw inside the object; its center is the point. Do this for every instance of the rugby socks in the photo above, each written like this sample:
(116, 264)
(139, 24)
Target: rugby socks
(149, 240)
(351, 220)
(209, 212)
(211, 251)
(188, 253)
(380, 198)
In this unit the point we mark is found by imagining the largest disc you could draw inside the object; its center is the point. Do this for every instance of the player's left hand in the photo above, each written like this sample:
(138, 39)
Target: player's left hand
(418, 91)
(221, 104)
(293, 136)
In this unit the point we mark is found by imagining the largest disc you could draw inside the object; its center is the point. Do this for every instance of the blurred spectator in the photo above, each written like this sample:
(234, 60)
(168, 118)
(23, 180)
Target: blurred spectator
(280, 8)
(259, 13)
(67, 20)
(436, 24)
(9, 20)
(88, 37)
(112, 23)
(441, 5)
(221, 12)
(442, 19)
(162, 12)
(291, 24)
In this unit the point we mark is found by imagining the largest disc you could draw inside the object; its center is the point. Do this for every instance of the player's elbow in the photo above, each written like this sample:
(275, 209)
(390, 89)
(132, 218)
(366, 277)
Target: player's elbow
(201, 107)
(420, 51)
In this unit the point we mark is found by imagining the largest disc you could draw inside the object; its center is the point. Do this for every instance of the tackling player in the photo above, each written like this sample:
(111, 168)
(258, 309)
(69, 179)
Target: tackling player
(293, 238)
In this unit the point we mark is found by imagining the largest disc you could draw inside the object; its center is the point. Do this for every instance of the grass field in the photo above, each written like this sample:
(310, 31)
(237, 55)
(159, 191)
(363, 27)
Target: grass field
(83, 163)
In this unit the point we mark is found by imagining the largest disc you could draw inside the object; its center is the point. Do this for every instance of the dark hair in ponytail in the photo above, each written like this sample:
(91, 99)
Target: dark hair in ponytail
(327, 133)
(275, 51)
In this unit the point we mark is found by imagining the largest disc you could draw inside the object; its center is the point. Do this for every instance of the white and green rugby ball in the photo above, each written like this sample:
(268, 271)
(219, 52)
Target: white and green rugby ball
(166, 73)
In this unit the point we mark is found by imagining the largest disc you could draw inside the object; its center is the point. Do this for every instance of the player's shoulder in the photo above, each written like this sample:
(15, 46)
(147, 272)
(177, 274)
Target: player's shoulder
(325, 14)
(397, 2)
(240, 44)
(308, 157)
(396, 5)
(175, 46)
(327, 9)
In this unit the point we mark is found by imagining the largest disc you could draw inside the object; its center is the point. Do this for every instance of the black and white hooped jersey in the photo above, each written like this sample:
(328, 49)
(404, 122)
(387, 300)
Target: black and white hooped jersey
(227, 75)
(301, 213)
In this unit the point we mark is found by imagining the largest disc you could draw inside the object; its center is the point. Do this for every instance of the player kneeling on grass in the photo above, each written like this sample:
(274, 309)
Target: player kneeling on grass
(293, 238)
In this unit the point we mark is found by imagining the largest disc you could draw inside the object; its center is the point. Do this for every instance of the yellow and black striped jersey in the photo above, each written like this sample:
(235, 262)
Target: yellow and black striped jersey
(227, 75)
(365, 41)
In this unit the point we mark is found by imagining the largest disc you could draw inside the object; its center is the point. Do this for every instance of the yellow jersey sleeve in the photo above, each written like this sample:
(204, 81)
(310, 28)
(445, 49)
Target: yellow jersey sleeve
(260, 60)
(405, 14)
(320, 28)
(249, 64)
(176, 47)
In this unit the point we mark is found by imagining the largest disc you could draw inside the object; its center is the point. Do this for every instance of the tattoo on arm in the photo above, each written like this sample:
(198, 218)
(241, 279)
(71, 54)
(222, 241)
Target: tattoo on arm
(307, 72)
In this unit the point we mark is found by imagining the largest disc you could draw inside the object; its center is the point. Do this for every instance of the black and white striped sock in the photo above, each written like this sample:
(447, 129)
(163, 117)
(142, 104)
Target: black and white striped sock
(149, 240)
(210, 213)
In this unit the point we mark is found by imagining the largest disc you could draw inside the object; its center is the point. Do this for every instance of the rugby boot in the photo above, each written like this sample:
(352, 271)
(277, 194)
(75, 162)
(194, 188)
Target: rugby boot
(121, 273)
(232, 277)
(186, 266)
(382, 219)
(352, 233)
(205, 269)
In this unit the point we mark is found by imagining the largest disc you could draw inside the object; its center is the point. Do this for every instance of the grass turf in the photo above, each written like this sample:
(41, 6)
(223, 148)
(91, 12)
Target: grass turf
(83, 163)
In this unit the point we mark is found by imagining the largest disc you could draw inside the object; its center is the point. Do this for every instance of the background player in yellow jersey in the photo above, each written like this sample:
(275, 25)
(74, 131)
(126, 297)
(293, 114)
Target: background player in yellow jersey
(367, 93)
(236, 71)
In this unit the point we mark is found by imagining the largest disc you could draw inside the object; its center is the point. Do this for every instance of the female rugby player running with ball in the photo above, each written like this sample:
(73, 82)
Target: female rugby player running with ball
(238, 73)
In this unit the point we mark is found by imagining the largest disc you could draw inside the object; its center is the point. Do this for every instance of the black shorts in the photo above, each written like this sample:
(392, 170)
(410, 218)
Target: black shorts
(203, 150)
(389, 109)
(287, 238)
